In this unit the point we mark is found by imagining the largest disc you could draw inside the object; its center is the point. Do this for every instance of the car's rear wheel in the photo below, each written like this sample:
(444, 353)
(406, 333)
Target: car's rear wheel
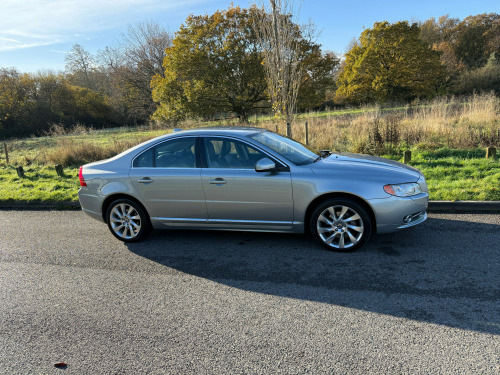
(127, 220)
(341, 224)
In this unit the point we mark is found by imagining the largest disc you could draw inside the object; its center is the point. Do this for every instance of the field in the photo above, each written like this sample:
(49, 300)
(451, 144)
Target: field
(447, 138)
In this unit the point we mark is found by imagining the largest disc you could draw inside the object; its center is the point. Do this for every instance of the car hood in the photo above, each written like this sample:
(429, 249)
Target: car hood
(364, 163)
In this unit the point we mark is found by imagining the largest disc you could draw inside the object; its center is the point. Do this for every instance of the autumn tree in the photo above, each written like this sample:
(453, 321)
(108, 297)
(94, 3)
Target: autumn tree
(390, 62)
(477, 38)
(464, 45)
(440, 35)
(32, 103)
(318, 77)
(213, 67)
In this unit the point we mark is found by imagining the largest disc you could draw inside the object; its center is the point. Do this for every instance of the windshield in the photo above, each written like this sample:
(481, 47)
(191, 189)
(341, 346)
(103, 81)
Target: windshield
(294, 151)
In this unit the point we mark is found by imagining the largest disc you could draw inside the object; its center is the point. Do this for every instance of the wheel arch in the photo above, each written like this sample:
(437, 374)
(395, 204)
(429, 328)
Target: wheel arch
(318, 200)
(107, 202)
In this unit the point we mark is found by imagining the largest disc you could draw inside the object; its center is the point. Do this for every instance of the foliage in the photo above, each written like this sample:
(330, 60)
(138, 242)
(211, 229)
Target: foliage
(213, 67)
(486, 78)
(318, 81)
(464, 45)
(390, 62)
(30, 104)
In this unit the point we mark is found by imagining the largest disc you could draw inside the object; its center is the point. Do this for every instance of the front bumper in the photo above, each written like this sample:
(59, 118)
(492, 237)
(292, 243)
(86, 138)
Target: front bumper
(391, 212)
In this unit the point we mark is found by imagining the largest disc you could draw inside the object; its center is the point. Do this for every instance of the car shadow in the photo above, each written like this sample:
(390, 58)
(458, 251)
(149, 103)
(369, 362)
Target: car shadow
(444, 271)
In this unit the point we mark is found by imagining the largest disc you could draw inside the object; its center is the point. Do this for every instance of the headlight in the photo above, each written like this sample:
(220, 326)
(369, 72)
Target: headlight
(403, 190)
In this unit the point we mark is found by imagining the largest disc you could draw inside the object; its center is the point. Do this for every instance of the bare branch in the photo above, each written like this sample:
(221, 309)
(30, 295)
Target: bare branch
(280, 37)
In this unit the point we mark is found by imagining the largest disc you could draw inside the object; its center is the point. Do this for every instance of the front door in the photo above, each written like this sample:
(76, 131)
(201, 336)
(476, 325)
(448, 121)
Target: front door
(237, 195)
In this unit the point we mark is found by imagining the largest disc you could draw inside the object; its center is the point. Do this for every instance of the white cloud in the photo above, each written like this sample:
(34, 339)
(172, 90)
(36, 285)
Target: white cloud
(30, 23)
(59, 51)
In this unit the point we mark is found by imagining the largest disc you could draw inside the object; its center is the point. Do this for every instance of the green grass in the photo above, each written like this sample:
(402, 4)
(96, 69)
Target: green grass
(40, 184)
(451, 175)
(460, 175)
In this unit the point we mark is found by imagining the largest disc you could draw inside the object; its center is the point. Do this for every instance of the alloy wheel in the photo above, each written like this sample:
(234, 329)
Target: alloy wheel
(125, 221)
(340, 227)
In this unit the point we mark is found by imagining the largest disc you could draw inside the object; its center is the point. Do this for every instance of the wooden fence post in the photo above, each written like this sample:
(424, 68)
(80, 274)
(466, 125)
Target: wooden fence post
(6, 153)
(20, 172)
(491, 152)
(289, 130)
(59, 170)
(306, 132)
(276, 128)
(407, 156)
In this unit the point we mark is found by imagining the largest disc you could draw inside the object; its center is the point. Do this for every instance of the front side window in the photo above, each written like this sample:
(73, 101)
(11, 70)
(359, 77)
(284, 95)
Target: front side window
(177, 153)
(296, 152)
(228, 153)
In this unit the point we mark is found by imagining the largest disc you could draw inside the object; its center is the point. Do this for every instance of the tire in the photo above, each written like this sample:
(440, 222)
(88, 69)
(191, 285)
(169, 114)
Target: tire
(341, 224)
(127, 220)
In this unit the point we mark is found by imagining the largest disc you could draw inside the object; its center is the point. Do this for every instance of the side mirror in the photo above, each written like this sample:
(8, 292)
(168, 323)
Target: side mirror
(265, 165)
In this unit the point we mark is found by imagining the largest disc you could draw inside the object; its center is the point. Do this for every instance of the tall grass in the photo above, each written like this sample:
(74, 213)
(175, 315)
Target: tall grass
(455, 123)
(445, 122)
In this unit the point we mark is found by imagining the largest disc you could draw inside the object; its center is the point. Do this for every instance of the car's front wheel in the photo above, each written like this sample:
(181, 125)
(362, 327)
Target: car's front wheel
(127, 220)
(341, 224)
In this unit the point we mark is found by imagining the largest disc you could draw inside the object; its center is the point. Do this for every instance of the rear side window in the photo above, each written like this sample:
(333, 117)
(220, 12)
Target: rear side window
(177, 153)
(145, 160)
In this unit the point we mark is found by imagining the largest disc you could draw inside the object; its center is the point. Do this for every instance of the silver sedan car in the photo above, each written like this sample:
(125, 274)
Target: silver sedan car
(251, 179)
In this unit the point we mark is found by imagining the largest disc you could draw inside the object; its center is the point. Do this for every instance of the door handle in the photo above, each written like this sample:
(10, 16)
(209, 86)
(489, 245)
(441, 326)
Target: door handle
(145, 180)
(218, 181)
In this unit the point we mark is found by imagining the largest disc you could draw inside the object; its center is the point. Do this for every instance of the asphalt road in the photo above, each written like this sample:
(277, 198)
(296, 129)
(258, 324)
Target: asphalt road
(423, 301)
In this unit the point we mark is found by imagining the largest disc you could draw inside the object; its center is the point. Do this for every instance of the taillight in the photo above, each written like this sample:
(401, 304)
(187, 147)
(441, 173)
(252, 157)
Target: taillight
(80, 176)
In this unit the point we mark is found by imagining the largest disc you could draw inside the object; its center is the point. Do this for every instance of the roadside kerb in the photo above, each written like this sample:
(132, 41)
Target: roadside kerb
(464, 207)
(434, 206)
(68, 205)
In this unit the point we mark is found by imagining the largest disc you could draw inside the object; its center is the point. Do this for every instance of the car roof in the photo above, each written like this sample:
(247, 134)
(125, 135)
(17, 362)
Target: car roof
(220, 130)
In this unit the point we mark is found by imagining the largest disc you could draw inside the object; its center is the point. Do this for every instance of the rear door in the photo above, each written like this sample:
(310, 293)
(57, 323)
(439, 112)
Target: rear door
(168, 178)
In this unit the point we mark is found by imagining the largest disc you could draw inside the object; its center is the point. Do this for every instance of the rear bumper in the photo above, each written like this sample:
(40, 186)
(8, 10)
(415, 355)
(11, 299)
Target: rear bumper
(391, 212)
(91, 204)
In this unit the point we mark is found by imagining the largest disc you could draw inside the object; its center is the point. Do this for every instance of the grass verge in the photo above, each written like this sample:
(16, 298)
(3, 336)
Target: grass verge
(451, 175)
(41, 184)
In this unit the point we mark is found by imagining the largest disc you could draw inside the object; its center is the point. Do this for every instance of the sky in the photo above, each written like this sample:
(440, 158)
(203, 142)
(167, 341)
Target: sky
(36, 35)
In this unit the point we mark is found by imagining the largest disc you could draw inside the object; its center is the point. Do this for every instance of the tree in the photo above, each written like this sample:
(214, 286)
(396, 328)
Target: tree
(441, 36)
(464, 45)
(213, 67)
(477, 37)
(131, 65)
(12, 98)
(280, 38)
(318, 78)
(390, 62)
(81, 66)
(32, 103)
